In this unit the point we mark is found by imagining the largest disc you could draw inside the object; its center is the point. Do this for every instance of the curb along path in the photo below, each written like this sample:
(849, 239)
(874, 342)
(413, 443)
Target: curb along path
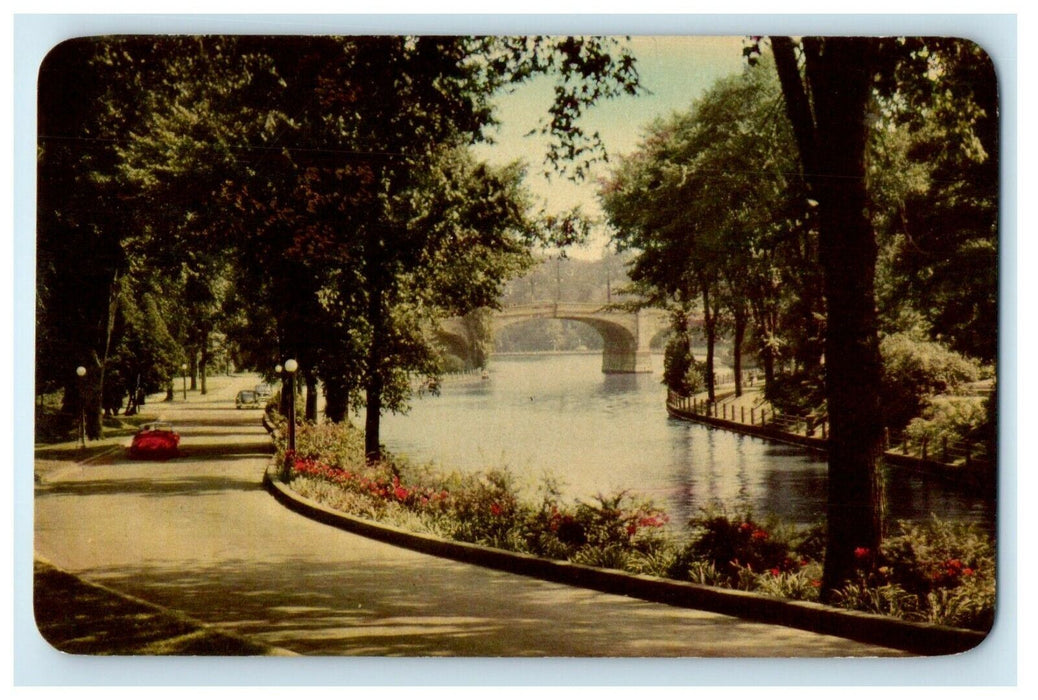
(916, 638)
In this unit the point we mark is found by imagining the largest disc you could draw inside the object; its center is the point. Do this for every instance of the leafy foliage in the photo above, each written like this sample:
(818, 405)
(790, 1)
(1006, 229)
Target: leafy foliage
(681, 372)
(734, 546)
(954, 419)
(915, 371)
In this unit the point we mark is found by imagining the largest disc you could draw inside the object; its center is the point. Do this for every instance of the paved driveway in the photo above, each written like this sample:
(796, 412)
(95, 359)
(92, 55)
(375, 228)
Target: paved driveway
(200, 536)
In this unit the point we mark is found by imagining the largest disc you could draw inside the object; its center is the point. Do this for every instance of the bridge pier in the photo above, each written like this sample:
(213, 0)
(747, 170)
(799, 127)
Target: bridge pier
(626, 362)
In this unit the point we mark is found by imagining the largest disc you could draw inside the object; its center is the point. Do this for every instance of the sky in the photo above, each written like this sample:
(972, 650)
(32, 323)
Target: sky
(674, 69)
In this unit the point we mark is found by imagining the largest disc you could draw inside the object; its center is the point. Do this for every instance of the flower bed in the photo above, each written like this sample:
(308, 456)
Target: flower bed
(938, 572)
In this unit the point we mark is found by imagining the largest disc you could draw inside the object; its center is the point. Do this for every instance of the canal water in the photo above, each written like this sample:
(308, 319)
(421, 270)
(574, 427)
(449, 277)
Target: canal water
(560, 416)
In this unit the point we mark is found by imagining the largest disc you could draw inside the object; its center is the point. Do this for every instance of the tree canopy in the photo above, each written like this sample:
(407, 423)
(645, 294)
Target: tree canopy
(313, 195)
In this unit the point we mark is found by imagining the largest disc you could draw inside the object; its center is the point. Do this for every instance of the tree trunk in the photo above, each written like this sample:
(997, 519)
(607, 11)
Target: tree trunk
(311, 397)
(737, 341)
(373, 418)
(768, 357)
(203, 363)
(336, 400)
(709, 330)
(833, 156)
(374, 383)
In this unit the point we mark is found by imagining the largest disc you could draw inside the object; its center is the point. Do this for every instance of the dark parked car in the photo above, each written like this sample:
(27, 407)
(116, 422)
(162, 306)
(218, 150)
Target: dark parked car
(247, 399)
(155, 441)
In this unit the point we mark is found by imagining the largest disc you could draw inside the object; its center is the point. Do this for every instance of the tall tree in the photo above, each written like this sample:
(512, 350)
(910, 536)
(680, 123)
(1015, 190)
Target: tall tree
(714, 207)
(827, 104)
(86, 108)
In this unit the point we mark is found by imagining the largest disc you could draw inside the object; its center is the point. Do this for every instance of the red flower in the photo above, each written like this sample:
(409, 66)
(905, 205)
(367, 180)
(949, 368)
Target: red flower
(653, 521)
(496, 509)
(968, 571)
(759, 535)
(861, 553)
(776, 571)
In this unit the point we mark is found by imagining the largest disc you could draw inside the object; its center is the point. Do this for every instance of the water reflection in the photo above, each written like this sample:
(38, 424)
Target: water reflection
(596, 433)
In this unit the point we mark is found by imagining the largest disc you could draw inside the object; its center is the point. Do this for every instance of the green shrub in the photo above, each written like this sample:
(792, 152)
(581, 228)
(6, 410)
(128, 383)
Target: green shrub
(884, 599)
(803, 583)
(656, 561)
(937, 554)
(484, 508)
(971, 604)
(732, 545)
(703, 573)
(951, 418)
(914, 371)
(797, 394)
(678, 364)
(452, 364)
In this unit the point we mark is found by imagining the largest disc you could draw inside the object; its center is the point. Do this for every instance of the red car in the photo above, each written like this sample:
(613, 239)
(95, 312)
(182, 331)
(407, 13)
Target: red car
(155, 441)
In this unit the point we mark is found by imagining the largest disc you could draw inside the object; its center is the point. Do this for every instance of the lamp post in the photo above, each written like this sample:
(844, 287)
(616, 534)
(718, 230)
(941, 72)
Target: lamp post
(81, 373)
(290, 367)
(183, 375)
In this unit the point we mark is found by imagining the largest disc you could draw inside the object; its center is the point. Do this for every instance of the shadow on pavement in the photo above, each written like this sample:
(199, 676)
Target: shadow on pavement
(161, 485)
(412, 608)
(79, 618)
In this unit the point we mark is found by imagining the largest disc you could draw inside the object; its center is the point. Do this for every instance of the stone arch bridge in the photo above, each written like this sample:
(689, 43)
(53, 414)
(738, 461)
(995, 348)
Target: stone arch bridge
(626, 335)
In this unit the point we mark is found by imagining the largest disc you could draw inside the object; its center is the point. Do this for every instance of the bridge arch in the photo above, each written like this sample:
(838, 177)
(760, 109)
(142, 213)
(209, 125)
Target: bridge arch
(625, 335)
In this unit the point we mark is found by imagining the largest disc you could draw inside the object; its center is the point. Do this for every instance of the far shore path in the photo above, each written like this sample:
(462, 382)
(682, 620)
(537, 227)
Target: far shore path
(200, 536)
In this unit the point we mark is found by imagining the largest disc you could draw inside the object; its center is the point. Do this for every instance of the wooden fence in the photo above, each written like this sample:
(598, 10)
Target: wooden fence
(813, 430)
